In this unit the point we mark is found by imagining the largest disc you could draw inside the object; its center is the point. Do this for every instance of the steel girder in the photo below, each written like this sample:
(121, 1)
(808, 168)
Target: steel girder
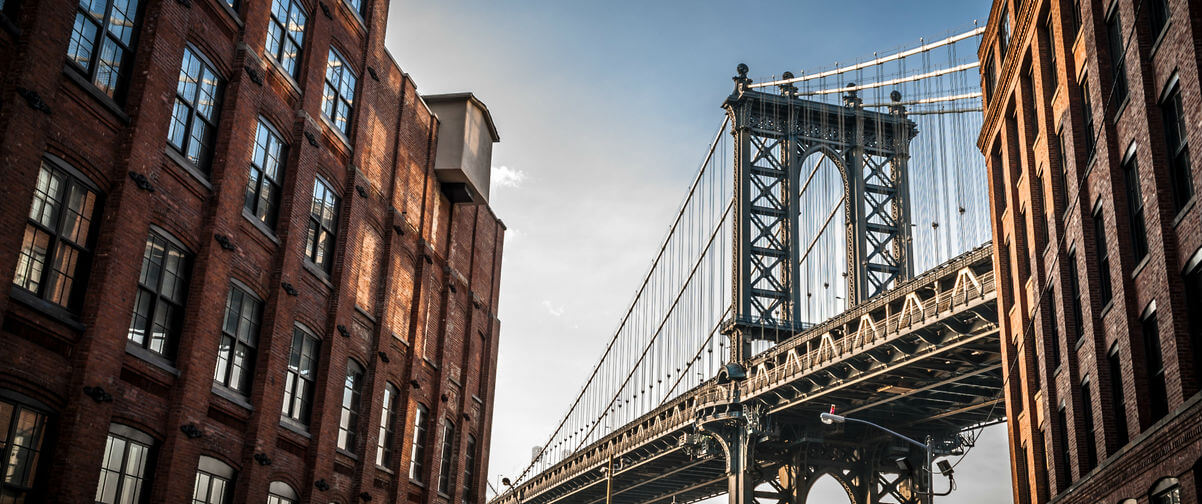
(774, 135)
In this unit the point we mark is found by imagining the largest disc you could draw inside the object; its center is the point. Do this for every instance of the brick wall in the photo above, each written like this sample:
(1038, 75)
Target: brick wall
(1039, 96)
(411, 294)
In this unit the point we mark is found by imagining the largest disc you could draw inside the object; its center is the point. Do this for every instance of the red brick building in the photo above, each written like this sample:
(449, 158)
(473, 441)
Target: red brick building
(236, 269)
(1092, 135)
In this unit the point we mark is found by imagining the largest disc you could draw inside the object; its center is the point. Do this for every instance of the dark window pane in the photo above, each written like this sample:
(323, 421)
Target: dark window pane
(1135, 209)
(1158, 396)
(348, 423)
(338, 95)
(298, 380)
(1180, 174)
(101, 41)
(54, 246)
(1103, 257)
(323, 224)
(417, 456)
(1115, 36)
(162, 287)
(240, 333)
(194, 115)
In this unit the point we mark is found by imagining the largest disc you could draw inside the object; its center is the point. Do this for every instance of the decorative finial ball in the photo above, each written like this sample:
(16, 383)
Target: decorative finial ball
(895, 95)
(787, 75)
(742, 69)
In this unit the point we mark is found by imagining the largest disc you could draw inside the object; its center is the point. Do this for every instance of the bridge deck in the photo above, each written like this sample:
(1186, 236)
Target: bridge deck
(923, 356)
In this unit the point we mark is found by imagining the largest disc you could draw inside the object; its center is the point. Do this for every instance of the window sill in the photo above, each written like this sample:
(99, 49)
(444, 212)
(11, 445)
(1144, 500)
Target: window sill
(1189, 205)
(105, 100)
(295, 427)
(1080, 341)
(232, 395)
(345, 453)
(233, 14)
(444, 495)
(188, 166)
(1122, 107)
(55, 312)
(279, 69)
(259, 225)
(430, 362)
(417, 483)
(317, 272)
(1164, 30)
(152, 358)
(1106, 307)
(478, 399)
(1140, 265)
(356, 16)
(385, 469)
(364, 313)
(342, 137)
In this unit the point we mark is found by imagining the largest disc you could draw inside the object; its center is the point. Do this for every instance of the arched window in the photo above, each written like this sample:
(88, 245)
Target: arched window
(281, 493)
(387, 425)
(214, 480)
(301, 374)
(56, 247)
(352, 389)
(22, 432)
(123, 469)
(162, 289)
(1166, 491)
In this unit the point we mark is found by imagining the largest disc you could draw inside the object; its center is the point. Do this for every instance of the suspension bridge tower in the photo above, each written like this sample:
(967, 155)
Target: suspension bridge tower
(774, 135)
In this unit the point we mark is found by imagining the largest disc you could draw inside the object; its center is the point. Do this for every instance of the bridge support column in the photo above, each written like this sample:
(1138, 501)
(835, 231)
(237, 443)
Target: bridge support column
(736, 431)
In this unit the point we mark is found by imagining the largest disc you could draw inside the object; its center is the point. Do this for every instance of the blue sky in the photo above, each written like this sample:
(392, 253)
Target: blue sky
(605, 110)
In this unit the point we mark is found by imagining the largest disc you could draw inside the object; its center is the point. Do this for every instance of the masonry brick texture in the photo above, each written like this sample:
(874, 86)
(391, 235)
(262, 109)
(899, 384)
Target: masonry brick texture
(1047, 67)
(411, 294)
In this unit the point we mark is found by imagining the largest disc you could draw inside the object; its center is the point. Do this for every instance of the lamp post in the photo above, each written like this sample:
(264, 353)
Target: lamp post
(831, 418)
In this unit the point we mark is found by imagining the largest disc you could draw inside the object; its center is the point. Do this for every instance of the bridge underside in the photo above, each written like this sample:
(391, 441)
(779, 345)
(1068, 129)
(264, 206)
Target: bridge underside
(933, 369)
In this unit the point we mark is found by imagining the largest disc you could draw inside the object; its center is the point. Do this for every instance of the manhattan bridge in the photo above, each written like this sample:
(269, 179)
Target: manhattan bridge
(831, 254)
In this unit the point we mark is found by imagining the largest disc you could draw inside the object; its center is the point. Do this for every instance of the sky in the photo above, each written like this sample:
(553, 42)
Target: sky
(605, 110)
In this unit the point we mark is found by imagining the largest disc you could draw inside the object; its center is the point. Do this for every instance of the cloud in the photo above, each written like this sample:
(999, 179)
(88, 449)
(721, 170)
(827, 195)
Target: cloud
(552, 309)
(504, 176)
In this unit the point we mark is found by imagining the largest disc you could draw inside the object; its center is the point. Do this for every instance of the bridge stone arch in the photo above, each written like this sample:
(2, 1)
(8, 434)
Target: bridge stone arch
(774, 134)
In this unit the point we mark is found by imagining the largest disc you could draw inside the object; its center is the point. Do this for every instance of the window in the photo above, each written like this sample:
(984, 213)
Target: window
(1049, 34)
(1074, 290)
(356, 5)
(55, 249)
(1076, 19)
(1135, 208)
(1159, 16)
(213, 481)
(1103, 256)
(1114, 29)
(232, 4)
(469, 468)
(444, 469)
(299, 379)
(1193, 297)
(1087, 117)
(1177, 147)
(281, 493)
(387, 425)
(1003, 36)
(417, 456)
(1062, 160)
(266, 174)
(1166, 491)
(1063, 473)
(1158, 395)
(194, 116)
(1114, 368)
(1040, 213)
(1091, 445)
(990, 79)
(123, 469)
(1055, 328)
(102, 40)
(239, 336)
(162, 286)
(352, 389)
(339, 94)
(323, 225)
(286, 33)
(22, 431)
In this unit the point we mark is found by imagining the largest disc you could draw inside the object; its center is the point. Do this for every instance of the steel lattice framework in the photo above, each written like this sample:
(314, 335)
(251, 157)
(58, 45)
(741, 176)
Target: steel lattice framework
(774, 135)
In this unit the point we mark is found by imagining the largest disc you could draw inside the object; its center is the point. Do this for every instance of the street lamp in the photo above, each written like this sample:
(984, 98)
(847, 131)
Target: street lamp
(831, 418)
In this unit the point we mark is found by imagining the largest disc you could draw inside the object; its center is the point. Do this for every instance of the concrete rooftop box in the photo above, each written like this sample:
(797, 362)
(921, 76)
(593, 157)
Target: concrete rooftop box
(463, 161)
